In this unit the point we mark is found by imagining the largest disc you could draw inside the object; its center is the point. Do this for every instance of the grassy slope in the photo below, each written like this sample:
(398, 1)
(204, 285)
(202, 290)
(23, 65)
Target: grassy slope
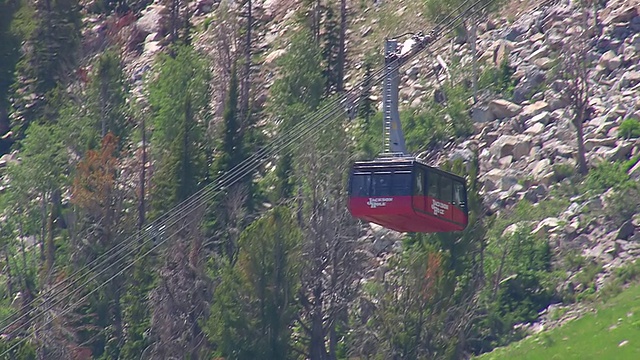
(598, 335)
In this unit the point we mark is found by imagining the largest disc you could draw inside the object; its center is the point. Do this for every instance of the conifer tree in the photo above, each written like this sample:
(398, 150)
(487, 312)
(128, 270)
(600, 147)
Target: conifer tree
(330, 49)
(52, 47)
(108, 94)
(253, 309)
(294, 95)
(179, 99)
(179, 104)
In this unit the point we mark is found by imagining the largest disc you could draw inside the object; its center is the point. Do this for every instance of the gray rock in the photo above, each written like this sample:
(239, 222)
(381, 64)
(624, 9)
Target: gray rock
(533, 78)
(626, 230)
(535, 129)
(501, 108)
(482, 114)
(590, 144)
(621, 15)
(630, 79)
(153, 20)
(634, 172)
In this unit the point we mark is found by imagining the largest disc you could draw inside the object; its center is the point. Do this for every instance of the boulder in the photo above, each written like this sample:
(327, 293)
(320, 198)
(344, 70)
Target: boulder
(534, 109)
(606, 58)
(590, 144)
(270, 59)
(509, 145)
(482, 114)
(621, 15)
(545, 226)
(532, 79)
(626, 230)
(153, 19)
(634, 172)
(630, 79)
(501, 108)
(535, 129)
(502, 51)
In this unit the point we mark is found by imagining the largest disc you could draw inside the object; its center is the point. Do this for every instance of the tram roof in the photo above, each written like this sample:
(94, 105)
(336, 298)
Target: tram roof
(382, 163)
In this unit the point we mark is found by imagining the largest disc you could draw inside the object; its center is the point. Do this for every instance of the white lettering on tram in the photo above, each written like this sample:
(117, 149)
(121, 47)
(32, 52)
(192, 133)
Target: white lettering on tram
(378, 202)
(438, 207)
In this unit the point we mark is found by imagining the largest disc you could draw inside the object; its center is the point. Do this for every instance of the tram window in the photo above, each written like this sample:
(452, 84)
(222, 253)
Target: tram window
(459, 198)
(432, 182)
(381, 185)
(418, 187)
(446, 189)
(360, 185)
(401, 184)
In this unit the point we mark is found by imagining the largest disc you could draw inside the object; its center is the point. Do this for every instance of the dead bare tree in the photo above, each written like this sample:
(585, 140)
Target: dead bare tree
(575, 67)
(182, 296)
(333, 260)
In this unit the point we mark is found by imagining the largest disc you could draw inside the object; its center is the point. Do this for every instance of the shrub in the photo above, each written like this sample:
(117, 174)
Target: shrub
(499, 79)
(629, 128)
(563, 171)
(605, 176)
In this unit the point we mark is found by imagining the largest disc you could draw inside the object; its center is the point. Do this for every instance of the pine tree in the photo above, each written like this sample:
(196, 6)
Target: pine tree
(330, 49)
(52, 45)
(179, 103)
(108, 94)
(253, 309)
(294, 95)
(179, 99)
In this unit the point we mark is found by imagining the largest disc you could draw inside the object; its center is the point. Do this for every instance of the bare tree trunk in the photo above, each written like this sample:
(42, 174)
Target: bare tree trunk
(103, 106)
(50, 246)
(246, 83)
(175, 6)
(582, 160)
(340, 61)
(9, 278)
(316, 21)
(143, 170)
(472, 40)
(43, 225)
(316, 346)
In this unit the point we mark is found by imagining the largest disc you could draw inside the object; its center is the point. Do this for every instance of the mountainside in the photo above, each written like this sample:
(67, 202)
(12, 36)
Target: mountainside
(174, 177)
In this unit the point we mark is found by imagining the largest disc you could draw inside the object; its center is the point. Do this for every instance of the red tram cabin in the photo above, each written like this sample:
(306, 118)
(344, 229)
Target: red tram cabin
(407, 195)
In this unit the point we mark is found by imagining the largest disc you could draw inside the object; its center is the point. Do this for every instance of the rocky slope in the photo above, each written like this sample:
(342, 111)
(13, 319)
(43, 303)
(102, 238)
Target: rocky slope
(525, 139)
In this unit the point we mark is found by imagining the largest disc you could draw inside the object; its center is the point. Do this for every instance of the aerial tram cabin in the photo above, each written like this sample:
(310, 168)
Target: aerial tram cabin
(406, 195)
(401, 192)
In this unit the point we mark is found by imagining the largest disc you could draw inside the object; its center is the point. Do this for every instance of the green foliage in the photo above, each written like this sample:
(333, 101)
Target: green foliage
(563, 171)
(253, 306)
(605, 176)
(623, 203)
(107, 91)
(24, 351)
(598, 334)
(232, 147)
(51, 57)
(411, 295)
(44, 160)
(629, 128)
(179, 99)
(499, 79)
(436, 10)
(436, 123)
(136, 310)
(12, 32)
(185, 76)
(300, 88)
(330, 48)
(295, 95)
